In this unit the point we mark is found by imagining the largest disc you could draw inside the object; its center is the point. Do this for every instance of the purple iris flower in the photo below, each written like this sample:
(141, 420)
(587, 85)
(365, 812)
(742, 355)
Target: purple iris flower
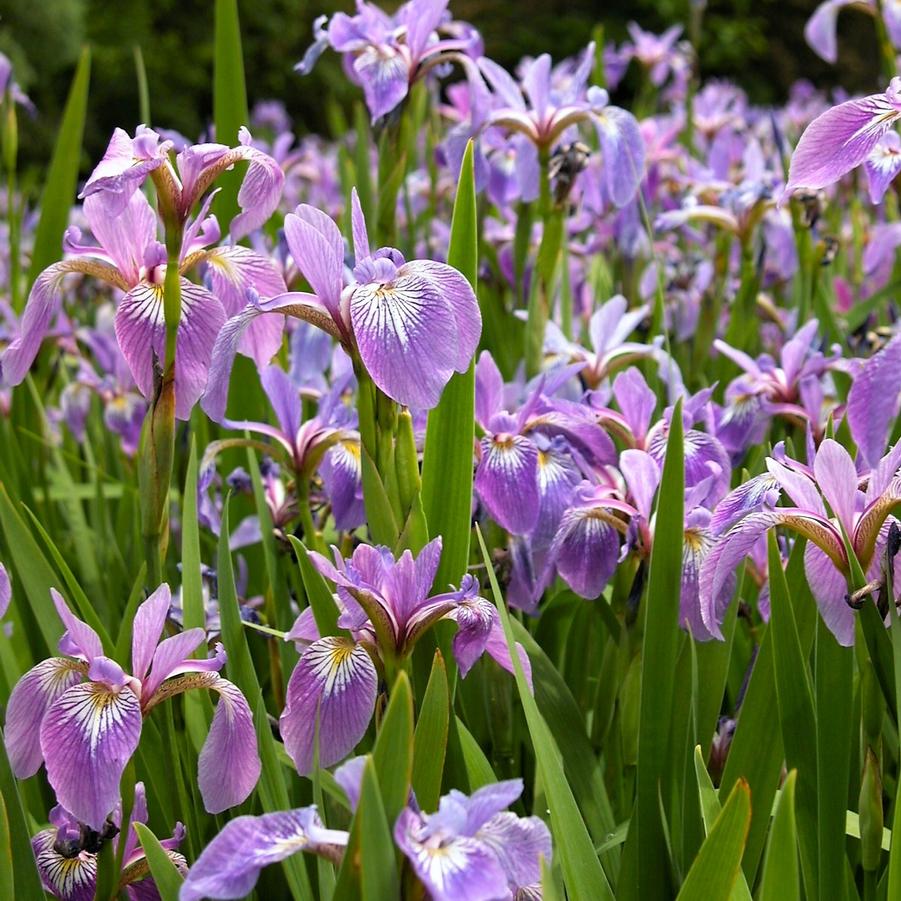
(873, 398)
(230, 864)
(843, 138)
(473, 849)
(81, 714)
(518, 474)
(385, 54)
(386, 606)
(856, 515)
(654, 52)
(412, 324)
(130, 258)
(790, 388)
(66, 854)
(543, 112)
(327, 443)
(128, 162)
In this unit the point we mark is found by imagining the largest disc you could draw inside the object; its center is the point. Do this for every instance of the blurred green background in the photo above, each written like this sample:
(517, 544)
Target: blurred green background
(758, 43)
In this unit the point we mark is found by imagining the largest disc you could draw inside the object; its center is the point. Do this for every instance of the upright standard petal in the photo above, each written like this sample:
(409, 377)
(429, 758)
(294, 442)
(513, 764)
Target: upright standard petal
(229, 765)
(873, 401)
(837, 478)
(88, 736)
(335, 683)
(79, 639)
(6, 592)
(28, 703)
(624, 153)
(230, 864)
(147, 628)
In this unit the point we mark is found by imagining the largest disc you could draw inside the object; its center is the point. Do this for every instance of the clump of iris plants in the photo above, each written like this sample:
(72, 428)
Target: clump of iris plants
(494, 500)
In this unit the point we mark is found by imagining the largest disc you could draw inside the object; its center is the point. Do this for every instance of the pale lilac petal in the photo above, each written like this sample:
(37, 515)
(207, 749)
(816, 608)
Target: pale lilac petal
(883, 164)
(6, 592)
(230, 335)
(624, 153)
(873, 401)
(335, 681)
(88, 736)
(350, 777)
(79, 639)
(284, 397)
(457, 869)
(141, 332)
(519, 843)
(358, 227)
(71, 879)
(759, 493)
(821, 27)
(317, 248)
(839, 140)
(830, 589)
(799, 487)
(498, 650)
(231, 272)
(536, 84)
(489, 389)
(260, 190)
(586, 550)
(407, 340)
(28, 702)
(229, 765)
(384, 77)
(230, 864)
(342, 479)
(40, 311)
(507, 481)
(149, 621)
(125, 237)
(475, 618)
(642, 474)
(464, 306)
(634, 398)
(837, 478)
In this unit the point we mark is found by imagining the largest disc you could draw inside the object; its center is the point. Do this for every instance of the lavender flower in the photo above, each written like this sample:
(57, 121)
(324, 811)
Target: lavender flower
(473, 848)
(411, 324)
(81, 714)
(385, 604)
(66, 854)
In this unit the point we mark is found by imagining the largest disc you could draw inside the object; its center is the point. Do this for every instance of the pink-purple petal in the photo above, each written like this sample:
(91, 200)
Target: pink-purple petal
(88, 735)
(148, 625)
(229, 765)
(334, 682)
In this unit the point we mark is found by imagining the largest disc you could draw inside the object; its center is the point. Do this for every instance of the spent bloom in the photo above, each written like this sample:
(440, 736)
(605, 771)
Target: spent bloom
(412, 324)
(81, 714)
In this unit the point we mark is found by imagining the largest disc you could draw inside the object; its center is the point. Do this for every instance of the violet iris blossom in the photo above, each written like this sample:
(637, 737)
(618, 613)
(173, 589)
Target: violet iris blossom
(411, 324)
(474, 849)
(129, 257)
(386, 606)
(66, 854)
(385, 54)
(81, 714)
(858, 515)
